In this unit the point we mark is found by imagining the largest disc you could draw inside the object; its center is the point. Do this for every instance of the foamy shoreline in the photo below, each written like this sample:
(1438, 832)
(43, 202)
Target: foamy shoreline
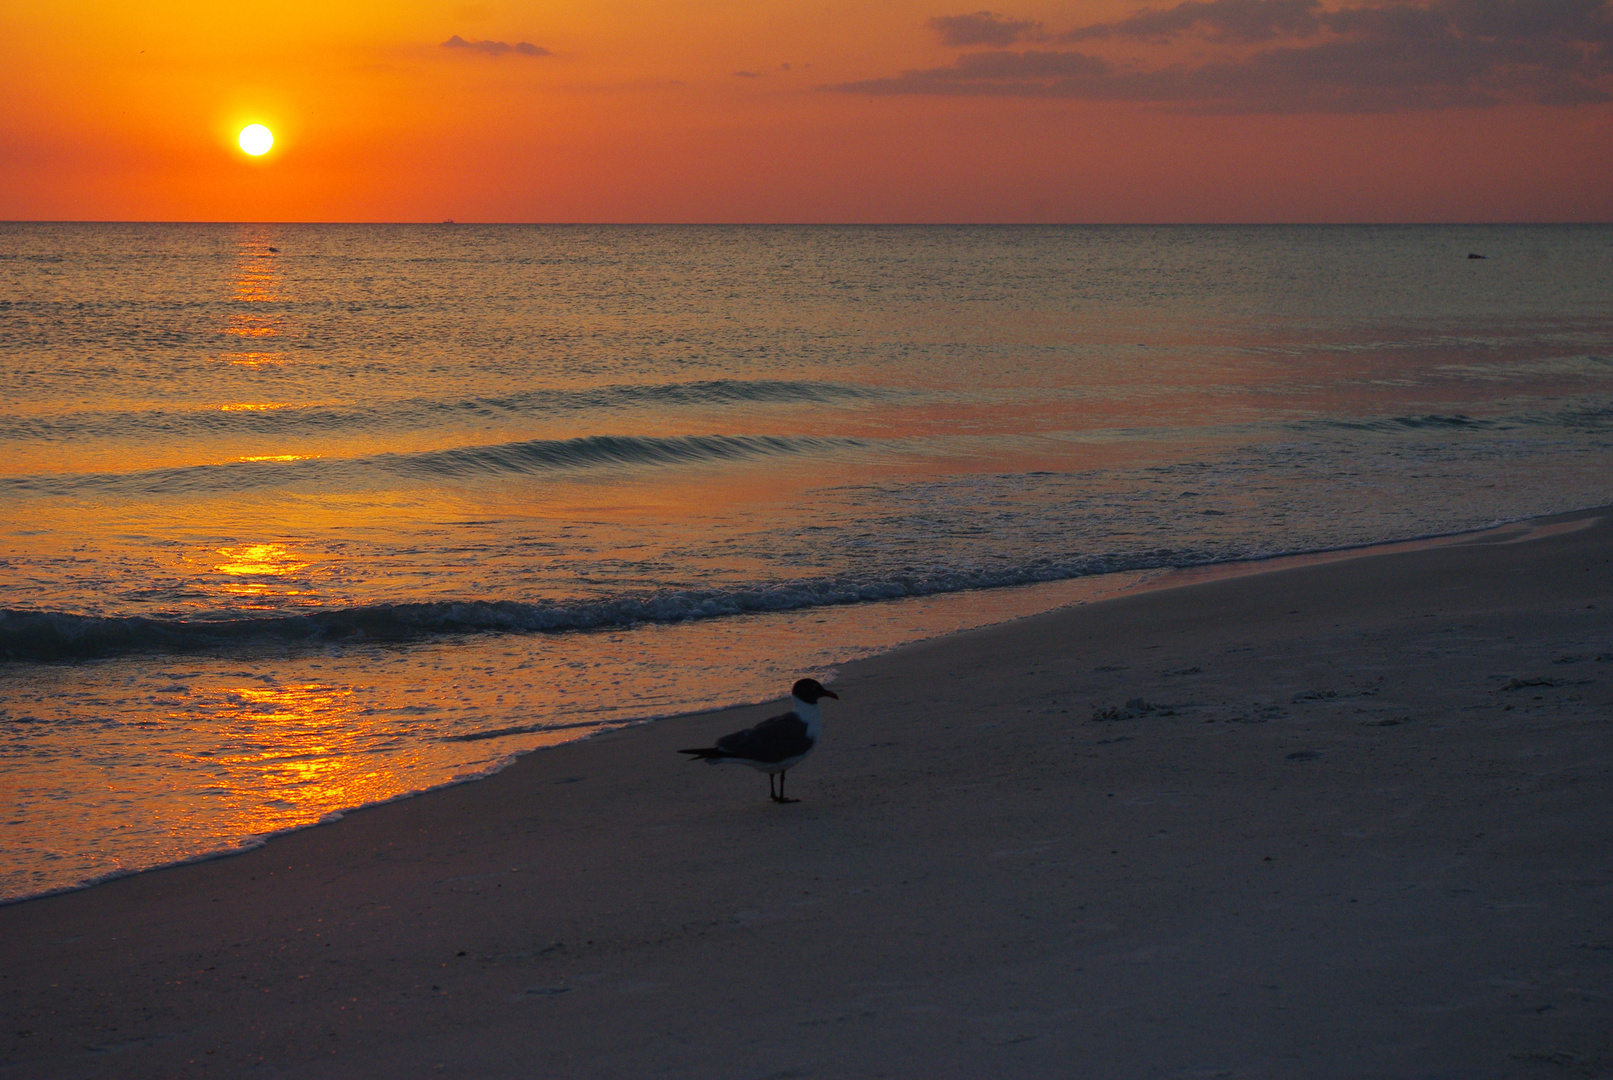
(1057, 594)
(979, 609)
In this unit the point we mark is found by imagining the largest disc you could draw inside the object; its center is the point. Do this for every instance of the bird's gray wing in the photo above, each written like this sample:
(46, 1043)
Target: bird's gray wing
(776, 739)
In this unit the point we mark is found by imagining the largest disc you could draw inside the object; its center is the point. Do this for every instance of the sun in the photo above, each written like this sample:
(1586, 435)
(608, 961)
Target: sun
(256, 139)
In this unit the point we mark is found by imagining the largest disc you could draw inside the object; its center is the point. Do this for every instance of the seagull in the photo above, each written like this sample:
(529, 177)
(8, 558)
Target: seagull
(774, 746)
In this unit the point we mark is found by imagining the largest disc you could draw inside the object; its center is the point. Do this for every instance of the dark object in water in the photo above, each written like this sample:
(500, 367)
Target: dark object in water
(275, 250)
(1472, 255)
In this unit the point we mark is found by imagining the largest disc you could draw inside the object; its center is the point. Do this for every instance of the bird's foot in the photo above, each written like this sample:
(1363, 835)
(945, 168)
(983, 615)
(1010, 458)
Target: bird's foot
(782, 799)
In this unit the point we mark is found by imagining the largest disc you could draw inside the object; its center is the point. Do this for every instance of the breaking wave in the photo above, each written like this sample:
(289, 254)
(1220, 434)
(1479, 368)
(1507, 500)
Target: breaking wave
(531, 457)
(27, 635)
(1588, 416)
(410, 413)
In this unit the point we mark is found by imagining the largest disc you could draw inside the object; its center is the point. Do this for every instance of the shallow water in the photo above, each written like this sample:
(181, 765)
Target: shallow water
(280, 529)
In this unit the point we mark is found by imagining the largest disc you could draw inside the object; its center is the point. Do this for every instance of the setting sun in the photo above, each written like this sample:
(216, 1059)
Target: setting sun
(256, 139)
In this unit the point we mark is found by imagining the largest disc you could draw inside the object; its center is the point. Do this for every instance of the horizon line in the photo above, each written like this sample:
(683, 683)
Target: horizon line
(812, 224)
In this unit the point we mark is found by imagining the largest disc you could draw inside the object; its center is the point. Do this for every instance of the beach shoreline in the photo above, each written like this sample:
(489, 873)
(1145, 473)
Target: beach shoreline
(1298, 821)
(992, 607)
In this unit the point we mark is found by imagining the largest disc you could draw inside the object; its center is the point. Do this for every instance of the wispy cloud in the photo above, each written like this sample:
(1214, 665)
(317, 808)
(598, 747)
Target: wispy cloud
(1297, 56)
(1222, 20)
(496, 48)
(983, 28)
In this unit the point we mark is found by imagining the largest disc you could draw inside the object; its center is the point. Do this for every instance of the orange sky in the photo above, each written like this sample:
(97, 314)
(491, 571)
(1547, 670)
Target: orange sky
(878, 110)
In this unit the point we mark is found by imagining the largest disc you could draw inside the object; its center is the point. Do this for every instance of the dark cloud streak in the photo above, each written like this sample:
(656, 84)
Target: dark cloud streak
(1398, 56)
(1223, 20)
(983, 28)
(496, 48)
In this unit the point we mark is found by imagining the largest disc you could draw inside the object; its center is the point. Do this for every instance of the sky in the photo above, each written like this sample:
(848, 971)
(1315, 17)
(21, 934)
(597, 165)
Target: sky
(809, 111)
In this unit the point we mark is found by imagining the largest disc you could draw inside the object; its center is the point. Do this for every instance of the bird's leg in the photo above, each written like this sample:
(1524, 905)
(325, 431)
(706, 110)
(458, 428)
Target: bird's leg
(779, 798)
(770, 793)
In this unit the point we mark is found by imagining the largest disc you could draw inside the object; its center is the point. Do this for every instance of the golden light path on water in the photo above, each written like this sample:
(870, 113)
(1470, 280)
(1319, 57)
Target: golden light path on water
(254, 568)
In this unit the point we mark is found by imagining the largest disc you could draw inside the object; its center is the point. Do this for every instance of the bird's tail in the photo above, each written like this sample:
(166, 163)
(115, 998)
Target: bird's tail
(706, 753)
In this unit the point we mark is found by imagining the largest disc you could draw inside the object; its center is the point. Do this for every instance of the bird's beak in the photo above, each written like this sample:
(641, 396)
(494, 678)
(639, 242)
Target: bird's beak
(831, 693)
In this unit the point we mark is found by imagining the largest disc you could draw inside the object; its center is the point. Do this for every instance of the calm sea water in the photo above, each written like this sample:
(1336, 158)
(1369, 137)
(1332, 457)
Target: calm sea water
(298, 518)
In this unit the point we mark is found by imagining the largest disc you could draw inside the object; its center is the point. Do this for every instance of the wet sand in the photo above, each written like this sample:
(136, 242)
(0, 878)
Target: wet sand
(1360, 823)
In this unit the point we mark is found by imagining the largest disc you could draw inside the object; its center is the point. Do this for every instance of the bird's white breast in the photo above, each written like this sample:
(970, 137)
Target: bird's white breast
(808, 713)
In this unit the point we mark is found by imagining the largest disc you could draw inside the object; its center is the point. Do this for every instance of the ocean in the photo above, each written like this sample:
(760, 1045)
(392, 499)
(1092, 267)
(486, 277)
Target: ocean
(299, 518)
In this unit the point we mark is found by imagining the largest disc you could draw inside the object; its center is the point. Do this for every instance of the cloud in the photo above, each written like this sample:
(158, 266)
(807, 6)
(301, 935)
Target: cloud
(1289, 56)
(1224, 20)
(982, 28)
(1032, 73)
(496, 48)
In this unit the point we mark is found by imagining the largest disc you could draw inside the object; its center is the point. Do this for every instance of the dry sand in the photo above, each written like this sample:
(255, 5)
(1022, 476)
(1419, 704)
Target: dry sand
(1355, 837)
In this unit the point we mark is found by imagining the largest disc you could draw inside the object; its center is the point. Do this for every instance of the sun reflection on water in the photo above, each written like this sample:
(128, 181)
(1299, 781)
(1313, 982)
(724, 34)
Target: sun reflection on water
(250, 564)
(286, 755)
(256, 282)
(253, 326)
(273, 559)
(252, 359)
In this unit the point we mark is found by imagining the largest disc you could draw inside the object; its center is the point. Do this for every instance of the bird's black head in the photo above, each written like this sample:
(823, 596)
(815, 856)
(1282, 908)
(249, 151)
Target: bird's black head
(810, 690)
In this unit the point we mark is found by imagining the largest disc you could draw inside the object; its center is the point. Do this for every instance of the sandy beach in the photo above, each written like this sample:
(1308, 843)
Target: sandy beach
(1351, 818)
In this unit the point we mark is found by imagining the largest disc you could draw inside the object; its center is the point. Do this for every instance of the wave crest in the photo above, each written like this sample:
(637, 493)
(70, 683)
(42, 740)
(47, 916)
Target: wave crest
(27, 635)
(411, 413)
(534, 456)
